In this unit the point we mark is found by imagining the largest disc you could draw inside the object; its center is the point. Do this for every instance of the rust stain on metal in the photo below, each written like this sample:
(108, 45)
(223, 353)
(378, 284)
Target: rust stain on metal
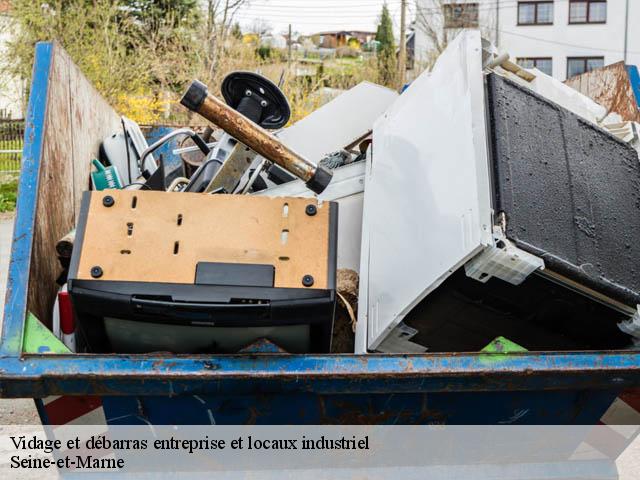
(256, 137)
(611, 87)
(142, 412)
(408, 366)
(429, 415)
(353, 414)
(210, 366)
(253, 416)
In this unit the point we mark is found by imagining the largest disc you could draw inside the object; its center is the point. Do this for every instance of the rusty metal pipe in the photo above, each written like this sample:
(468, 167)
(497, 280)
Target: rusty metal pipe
(199, 100)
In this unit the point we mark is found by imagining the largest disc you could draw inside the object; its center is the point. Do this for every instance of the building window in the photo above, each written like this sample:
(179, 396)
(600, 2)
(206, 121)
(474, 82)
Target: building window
(460, 15)
(544, 64)
(587, 11)
(580, 65)
(535, 13)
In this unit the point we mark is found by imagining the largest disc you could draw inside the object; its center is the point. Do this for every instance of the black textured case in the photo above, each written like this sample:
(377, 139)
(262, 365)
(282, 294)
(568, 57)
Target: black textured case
(570, 190)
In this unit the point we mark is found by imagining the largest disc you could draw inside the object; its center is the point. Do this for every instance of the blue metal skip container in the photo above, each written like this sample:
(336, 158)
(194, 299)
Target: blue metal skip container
(66, 121)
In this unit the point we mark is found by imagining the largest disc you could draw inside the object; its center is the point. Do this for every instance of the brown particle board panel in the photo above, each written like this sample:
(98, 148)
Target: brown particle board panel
(160, 237)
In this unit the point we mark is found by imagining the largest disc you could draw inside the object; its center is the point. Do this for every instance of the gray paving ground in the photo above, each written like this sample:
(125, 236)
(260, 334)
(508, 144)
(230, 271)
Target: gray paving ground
(6, 230)
(16, 412)
(11, 411)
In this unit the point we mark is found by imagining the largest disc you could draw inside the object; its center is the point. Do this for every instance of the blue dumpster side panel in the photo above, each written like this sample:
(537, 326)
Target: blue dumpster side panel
(42, 375)
(634, 78)
(469, 408)
(18, 280)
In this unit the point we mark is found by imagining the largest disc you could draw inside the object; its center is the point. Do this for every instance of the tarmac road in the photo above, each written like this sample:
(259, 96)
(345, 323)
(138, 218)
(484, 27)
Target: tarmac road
(16, 412)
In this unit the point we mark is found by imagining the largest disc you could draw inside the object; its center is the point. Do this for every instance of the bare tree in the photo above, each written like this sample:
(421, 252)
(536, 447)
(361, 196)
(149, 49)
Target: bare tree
(220, 16)
(261, 27)
(440, 21)
(5, 34)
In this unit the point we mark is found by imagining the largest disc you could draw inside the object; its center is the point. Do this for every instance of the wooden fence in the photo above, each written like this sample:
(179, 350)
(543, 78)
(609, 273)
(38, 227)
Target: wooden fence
(11, 138)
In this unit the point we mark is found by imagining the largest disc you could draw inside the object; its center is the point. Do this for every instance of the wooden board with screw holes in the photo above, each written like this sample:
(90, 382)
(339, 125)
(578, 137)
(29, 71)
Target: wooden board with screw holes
(160, 236)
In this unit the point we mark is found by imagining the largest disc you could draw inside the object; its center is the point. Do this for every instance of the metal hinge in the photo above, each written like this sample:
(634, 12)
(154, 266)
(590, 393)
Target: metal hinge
(504, 261)
(398, 341)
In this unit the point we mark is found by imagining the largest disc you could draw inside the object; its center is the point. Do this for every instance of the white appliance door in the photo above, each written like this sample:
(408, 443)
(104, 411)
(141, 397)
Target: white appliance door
(427, 205)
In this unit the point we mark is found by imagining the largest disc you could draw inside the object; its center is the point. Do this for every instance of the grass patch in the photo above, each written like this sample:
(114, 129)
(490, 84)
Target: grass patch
(8, 195)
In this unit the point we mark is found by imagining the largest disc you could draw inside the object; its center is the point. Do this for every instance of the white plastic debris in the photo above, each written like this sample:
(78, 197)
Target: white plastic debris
(504, 261)
(632, 326)
(399, 340)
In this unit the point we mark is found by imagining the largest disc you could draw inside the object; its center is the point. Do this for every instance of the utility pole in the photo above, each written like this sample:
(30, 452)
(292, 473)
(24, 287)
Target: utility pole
(497, 42)
(289, 42)
(626, 32)
(402, 56)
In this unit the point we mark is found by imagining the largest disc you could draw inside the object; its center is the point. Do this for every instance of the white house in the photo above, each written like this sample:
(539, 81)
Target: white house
(273, 41)
(11, 91)
(560, 37)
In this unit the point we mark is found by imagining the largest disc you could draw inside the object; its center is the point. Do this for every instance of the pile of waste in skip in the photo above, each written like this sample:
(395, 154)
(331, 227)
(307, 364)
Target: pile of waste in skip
(485, 205)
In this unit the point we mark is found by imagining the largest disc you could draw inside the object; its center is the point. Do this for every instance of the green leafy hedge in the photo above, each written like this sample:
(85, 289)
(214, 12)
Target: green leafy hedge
(8, 195)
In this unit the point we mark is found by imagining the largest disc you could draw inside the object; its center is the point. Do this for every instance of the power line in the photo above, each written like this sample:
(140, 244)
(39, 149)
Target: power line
(276, 13)
(343, 6)
(324, 6)
(319, 17)
(342, 9)
(572, 45)
(287, 14)
(300, 22)
(283, 15)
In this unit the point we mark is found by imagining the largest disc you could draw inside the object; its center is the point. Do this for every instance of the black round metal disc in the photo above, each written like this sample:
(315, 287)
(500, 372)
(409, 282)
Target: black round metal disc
(277, 112)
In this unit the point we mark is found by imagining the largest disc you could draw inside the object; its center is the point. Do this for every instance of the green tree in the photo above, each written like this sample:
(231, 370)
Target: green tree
(386, 48)
(155, 14)
(94, 33)
(112, 44)
(384, 33)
